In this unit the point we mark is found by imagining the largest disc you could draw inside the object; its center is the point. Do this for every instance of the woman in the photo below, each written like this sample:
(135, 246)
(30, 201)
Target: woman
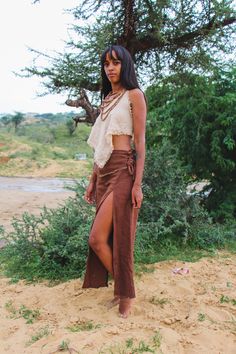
(115, 184)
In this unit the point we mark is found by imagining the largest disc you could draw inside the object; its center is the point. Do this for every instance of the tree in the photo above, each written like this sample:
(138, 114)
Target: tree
(17, 119)
(6, 120)
(198, 115)
(71, 126)
(162, 36)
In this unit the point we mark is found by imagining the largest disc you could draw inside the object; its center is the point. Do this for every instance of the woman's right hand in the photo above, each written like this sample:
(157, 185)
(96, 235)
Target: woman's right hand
(89, 195)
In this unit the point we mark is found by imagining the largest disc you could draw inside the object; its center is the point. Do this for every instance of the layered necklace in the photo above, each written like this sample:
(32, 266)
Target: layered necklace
(109, 102)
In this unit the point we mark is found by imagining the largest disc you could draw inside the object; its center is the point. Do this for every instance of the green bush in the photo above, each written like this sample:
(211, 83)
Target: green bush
(212, 235)
(53, 245)
(197, 114)
(38, 133)
(166, 201)
(61, 155)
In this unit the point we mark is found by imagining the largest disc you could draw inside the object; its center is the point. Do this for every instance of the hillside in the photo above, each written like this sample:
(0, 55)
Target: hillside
(44, 148)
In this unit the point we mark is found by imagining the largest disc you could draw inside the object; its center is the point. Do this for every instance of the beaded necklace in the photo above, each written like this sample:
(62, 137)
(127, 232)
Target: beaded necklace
(106, 105)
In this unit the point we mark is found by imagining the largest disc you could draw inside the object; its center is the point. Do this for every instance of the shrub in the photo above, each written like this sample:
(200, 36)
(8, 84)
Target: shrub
(53, 245)
(212, 235)
(197, 114)
(166, 201)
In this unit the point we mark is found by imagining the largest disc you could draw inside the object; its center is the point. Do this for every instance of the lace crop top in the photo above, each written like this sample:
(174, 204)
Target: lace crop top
(118, 122)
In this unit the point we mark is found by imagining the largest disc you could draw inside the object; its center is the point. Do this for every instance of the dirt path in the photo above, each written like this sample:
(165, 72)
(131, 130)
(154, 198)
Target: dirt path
(18, 195)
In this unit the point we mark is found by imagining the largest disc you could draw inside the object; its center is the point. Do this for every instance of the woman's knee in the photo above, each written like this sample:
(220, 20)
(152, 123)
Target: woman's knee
(94, 243)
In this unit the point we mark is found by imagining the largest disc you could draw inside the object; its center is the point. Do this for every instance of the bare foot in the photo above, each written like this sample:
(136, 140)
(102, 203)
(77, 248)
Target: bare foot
(115, 301)
(125, 307)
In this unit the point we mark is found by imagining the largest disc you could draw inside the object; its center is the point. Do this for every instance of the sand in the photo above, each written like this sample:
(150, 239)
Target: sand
(14, 203)
(193, 313)
(186, 313)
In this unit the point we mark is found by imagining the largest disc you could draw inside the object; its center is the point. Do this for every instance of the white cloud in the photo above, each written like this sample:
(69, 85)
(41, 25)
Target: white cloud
(42, 26)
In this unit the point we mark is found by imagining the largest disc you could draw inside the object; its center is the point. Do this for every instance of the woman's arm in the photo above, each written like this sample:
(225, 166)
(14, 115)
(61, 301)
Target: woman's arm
(91, 189)
(139, 111)
(93, 176)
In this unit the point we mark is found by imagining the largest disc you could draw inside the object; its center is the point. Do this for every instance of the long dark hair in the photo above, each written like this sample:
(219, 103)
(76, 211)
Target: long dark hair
(128, 77)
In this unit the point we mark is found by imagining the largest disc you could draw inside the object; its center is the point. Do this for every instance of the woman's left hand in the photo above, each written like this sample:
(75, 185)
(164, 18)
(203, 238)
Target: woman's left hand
(137, 196)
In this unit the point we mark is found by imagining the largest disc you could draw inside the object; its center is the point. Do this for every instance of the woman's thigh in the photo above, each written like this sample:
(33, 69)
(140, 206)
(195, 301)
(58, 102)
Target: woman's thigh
(102, 225)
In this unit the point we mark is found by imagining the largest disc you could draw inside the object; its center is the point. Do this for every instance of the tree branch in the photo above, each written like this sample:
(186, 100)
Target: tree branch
(129, 30)
(202, 31)
(150, 41)
(82, 101)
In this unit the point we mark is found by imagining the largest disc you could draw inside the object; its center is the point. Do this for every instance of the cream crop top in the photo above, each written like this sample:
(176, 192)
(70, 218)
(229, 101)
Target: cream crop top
(118, 122)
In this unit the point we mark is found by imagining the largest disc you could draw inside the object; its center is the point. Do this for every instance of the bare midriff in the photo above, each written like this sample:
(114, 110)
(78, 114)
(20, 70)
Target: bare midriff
(121, 142)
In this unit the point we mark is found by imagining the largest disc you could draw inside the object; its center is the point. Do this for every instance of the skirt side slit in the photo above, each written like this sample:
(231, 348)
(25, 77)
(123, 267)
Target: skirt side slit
(124, 219)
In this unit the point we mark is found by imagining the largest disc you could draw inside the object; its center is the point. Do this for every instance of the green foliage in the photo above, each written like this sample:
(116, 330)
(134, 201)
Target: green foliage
(6, 119)
(70, 125)
(53, 245)
(201, 317)
(47, 140)
(135, 346)
(42, 332)
(83, 325)
(166, 201)
(17, 119)
(159, 301)
(198, 115)
(55, 117)
(226, 299)
(212, 235)
(171, 224)
(29, 315)
(170, 218)
(64, 345)
(162, 36)
(44, 134)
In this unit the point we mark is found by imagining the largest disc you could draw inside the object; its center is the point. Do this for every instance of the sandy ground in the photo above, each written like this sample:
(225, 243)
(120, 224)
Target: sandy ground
(19, 195)
(14, 203)
(193, 313)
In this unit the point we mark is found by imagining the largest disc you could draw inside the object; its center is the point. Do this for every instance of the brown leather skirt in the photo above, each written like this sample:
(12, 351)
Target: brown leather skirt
(116, 176)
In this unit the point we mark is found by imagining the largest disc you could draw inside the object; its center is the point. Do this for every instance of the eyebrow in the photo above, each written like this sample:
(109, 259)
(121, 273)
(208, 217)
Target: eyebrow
(113, 59)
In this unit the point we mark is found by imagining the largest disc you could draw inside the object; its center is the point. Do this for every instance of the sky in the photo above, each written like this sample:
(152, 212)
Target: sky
(42, 26)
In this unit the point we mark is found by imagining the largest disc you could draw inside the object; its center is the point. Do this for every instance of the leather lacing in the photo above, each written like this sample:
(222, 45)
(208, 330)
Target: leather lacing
(130, 165)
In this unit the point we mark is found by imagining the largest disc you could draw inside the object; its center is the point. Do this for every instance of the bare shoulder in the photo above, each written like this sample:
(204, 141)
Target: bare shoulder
(136, 95)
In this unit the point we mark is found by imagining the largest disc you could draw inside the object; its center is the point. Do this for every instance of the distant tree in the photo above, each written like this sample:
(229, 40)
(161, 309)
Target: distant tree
(71, 126)
(162, 37)
(6, 119)
(17, 119)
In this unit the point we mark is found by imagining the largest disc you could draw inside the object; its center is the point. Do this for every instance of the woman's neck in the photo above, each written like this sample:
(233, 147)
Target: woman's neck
(116, 87)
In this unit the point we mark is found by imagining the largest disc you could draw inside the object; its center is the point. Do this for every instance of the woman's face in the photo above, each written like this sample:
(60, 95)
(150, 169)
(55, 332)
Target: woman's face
(112, 67)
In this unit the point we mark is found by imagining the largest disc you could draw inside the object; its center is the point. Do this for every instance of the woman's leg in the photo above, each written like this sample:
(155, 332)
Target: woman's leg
(101, 231)
(98, 241)
(99, 237)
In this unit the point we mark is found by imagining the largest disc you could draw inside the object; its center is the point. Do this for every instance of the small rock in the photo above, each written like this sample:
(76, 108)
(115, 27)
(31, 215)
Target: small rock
(78, 293)
(113, 331)
(74, 319)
